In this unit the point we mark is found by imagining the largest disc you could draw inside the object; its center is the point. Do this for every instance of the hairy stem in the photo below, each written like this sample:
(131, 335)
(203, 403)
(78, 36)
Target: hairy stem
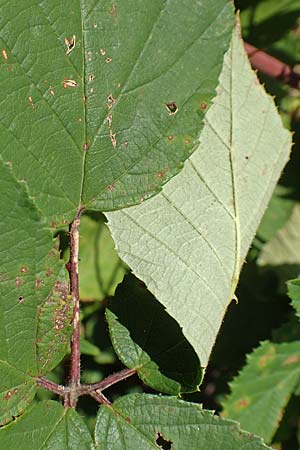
(109, 381)
(50, 386)
(72, 266)
(71, 393)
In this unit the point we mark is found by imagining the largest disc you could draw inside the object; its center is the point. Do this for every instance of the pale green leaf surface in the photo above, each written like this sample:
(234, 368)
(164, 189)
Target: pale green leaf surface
(88, 124)
(137, 421)
(261, 391)
(294, 294)
(278, 212)
(47, 426)
(284, 247)
(100, 268)
(188, 244)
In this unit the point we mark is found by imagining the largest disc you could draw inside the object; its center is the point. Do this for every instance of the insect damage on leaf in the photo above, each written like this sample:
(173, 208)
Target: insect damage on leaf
(172, 108)
(57, 310)
(4, 54)
(67, 82)
(110, 101)
(163, 443)
(70, 43)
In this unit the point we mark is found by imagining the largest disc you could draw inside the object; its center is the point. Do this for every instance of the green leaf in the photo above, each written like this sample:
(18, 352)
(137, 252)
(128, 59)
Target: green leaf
(146, 338)
(17, 390)
(261, 391)
(87, 348)
(284, 247)
(54, 326)
(47, 426)
(268, 21)
(100, 269)
(294, 294)
(147, 422)
(277, 214)
(85, 116)
(30, 266)
(99, 109)
(188, 244)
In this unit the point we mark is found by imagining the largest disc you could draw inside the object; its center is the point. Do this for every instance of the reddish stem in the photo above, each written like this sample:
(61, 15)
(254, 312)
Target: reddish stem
(109, 381)
(272, 66)
(71, 393)
(72, 266)
(100, 398)
(50, 386)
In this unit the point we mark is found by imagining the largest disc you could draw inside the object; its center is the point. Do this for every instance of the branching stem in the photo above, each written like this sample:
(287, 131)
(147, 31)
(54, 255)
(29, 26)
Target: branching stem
(71, 393)
(109, 381)
(75, 389)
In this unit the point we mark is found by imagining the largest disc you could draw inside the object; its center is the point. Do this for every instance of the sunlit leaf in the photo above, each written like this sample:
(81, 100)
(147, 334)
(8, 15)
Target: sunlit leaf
(188, 244)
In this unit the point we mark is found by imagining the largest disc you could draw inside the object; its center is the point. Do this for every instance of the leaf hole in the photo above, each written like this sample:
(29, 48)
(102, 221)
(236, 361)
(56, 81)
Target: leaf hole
(70, 43)
(110, 101)
(113, 10)
(172, 108)
(163, 443)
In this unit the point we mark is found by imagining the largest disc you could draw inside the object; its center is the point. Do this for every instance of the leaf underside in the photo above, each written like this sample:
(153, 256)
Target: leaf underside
(188, 243)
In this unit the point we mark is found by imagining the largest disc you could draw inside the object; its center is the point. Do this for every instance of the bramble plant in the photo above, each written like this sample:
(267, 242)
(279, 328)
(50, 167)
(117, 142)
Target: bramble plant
(151, 115)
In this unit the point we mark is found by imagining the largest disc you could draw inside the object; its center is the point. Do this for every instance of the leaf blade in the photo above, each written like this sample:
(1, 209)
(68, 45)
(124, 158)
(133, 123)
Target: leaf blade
(47, 426)
(29, 267)
(197, 231)
(139, 420)
(263, 388)
(147, 339)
